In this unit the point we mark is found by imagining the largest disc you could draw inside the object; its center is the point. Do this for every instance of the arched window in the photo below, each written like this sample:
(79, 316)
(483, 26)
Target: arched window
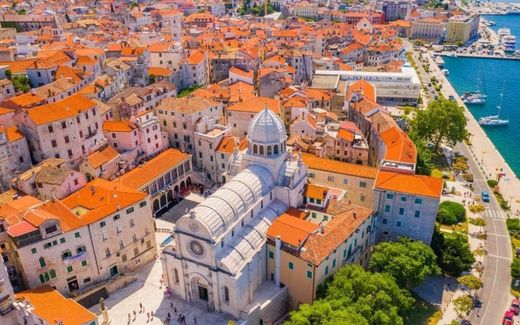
(269, 150)
(42, 262)
(275, 149)
(176, 275)
(53, 274)
(255, 149)
(226, 294)
(262, 150)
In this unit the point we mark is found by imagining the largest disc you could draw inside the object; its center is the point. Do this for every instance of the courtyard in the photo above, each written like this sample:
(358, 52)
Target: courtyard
(148, 290)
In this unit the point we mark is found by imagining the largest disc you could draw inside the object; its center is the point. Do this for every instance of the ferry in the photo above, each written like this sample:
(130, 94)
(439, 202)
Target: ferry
(509, 43)
(446, 72)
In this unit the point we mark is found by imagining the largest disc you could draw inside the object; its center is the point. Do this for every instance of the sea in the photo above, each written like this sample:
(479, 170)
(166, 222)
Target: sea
(495, 76)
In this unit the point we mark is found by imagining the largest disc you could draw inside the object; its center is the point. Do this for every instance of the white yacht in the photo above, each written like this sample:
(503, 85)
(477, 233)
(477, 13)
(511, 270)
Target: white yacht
(494, 120)
(509, 43)
(446, 72)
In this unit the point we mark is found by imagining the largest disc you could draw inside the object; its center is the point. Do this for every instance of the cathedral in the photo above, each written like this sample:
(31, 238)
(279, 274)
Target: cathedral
(218, 256)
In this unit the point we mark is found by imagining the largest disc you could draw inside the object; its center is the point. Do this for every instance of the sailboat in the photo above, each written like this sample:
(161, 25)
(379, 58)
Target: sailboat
(494, 120)
(475, 97)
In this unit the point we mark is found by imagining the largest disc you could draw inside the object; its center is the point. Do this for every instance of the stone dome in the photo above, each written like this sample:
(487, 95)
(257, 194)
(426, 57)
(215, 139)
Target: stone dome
(266, 128)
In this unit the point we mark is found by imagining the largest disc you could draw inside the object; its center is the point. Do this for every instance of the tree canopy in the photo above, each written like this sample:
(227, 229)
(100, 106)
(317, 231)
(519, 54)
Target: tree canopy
(408, 261)
(470, 281)
(453, 252)
(463, 305)
(442, 121)
(356, 296)
(451, 212)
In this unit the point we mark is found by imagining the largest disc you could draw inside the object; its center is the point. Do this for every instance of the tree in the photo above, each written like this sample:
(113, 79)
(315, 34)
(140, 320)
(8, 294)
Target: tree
(470, 281)
(8, 74)
(463, 305)
(21, 83)
(356, 296)
(408, 261)
(450, 213)
(453, 253)
(515, 268)
(442, 121)
(424, 158)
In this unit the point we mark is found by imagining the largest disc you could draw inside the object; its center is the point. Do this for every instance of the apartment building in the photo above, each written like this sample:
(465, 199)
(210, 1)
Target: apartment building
(52, 242)
(195, 69)
(304, 253)
(179, 118)
(462, 29)
(406, 205)
(69, 129)
(356, 180)
(166, 178)
(15, 157)
(428, 29)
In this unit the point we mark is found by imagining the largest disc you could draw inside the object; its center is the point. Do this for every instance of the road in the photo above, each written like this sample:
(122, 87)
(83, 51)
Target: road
(494, 295)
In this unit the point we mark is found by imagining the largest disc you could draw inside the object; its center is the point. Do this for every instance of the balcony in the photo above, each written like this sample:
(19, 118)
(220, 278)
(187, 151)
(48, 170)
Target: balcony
(81, 256)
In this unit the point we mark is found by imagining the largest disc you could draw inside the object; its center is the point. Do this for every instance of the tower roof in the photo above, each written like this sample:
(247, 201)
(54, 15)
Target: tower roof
(266, 128)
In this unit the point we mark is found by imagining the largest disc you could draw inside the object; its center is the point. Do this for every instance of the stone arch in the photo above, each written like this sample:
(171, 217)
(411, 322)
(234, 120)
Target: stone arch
(163, 200)
(169, 196)
(275, 151)
(269, 150)
(262, 150)
(255, 149)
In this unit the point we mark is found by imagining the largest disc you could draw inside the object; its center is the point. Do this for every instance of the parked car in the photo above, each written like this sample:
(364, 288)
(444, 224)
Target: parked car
(515, 307)
(484, 196)
(508, 318)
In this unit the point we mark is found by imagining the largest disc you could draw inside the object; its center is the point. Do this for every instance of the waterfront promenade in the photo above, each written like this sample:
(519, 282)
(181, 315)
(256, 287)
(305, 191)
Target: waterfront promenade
(489, 160)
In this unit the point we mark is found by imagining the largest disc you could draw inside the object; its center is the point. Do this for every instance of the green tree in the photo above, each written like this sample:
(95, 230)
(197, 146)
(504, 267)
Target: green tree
(424, 158)
(356, 296)
(442, 121)
(470, 281)
(453, 253)
(515, 268)
(450, 213)
(463, 305)
(8, 74)
(408, 261)
(21, 83)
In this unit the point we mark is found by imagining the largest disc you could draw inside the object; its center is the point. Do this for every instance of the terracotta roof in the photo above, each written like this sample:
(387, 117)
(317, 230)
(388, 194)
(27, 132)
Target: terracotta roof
(364, 87)
(399, 147)
(412, 184)
(227, 144)
(320, 245)
(159, 72)
(5, 110)
(315, 191)
(20, 229)
(66, 108)
(190, 104)
(196, 57)
(52, 307)
(147, 172)
(13, 133)
(118, 126)
(101, 198)
(292, 230)
(256, 104)
(339, 167)
(101, 157)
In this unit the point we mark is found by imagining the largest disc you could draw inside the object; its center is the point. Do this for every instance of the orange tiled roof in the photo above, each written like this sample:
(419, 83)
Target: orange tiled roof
(256, 104)
(364, 87)
(339, 167)
(52, 307)
(142, 175)
(159, 72)
(411, 184)
(399, 147)
(101, 157)
(292, 230)
(319, 246)
(118, 126)
(316, 191)
(66, 108)
(227, 144)
(13, 133)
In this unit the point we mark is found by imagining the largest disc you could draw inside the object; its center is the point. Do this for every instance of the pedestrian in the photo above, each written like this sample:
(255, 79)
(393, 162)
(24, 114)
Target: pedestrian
(169, 316)
(140, 307)
(151, 313)
(129, 318)
(175, 310)
(147, 317)
(135, 314)
(171, 304)
(195, 320)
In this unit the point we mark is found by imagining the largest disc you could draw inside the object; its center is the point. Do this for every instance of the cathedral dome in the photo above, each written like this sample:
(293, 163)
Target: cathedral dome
(266, 128)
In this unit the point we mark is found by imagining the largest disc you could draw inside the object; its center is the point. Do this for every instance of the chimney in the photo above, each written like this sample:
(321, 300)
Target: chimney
(92, 190)
(278, 244)
(354, 214)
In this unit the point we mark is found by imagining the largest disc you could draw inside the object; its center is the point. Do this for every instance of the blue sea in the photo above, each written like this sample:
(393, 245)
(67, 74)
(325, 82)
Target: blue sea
(496, 74)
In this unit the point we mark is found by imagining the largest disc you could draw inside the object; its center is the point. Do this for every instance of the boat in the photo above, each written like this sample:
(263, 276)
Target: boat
(476, 97)
(439, 61)
(494, 120)
(503, 32)
(508, 43)
(446, 72)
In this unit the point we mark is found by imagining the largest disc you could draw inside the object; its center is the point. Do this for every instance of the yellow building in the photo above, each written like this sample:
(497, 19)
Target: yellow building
(462, 28)
(356, 180)
(303, 253)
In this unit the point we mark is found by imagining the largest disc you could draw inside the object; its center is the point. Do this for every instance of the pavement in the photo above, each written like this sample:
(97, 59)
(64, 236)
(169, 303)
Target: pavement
(485, 162)
(149, 291)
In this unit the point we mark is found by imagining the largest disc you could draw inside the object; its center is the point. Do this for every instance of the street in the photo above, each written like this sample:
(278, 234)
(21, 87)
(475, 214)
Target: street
(495, 294)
